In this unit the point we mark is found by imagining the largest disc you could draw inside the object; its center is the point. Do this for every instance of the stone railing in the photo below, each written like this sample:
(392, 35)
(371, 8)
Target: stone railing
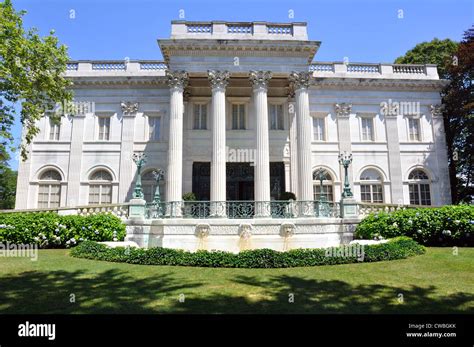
(119, 210)
(393, 71)
(409, 69)
(363, 68)
(153, 66)
(242, 209)
(199, 28)
(115, 67)
(280, 29)
(366, 209)
(239, 28)
(230, 30)
(109, 66)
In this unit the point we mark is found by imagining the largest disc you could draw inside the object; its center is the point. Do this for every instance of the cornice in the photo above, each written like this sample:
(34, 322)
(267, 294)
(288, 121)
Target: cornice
(370, 83)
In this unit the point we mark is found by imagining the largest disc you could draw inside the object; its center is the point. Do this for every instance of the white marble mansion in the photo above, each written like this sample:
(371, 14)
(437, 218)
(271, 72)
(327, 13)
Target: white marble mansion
(241, 111)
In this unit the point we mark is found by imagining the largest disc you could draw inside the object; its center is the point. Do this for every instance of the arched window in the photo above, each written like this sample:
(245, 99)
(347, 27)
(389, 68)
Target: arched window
(328, 190)
(149, 186)
(371, 189)
(100, 188)
(49, 189)
(419, 187)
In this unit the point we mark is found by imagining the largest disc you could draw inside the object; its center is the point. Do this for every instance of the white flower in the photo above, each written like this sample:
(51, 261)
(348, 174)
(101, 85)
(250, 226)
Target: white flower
(56, 230)
(36, 238)
(419, 231)
(115, 239)
(410, 221)
(395, 224)
(96, 232)
(457, 221)
(447, 232)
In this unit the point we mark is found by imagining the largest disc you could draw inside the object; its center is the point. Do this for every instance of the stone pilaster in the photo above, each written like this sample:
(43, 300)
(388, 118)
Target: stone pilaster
(260, 81)
(441, 150)
(129, 111)
(75, 161)
(301, 82)
(177, 81)
(343, 111)
(218, 81)
(394, 160)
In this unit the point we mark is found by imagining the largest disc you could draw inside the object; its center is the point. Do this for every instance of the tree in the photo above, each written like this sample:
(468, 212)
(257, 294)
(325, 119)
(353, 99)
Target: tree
(459, 118)
(439, 52)
(31, 75)
(455, 64)
(7, 187)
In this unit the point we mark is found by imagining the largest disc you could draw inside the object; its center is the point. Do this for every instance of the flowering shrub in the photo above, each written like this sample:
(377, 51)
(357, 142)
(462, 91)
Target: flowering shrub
(438, 226)
(398, 248)
(50, 230)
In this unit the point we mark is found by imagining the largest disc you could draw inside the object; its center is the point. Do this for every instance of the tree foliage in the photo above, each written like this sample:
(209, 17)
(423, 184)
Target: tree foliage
(439, 52)
(455, 63)
(7, 187)
(31, 75)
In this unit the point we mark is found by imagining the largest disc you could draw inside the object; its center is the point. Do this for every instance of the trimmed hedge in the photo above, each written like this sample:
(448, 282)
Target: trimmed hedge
(398, 248)
(438, 226)
(50, 230)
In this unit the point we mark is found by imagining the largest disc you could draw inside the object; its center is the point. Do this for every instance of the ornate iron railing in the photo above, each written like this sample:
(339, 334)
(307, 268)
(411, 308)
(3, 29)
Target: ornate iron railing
(242, 209)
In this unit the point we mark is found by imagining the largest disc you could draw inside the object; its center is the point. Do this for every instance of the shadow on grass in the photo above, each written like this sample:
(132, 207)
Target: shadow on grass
(115, 291)
(110, 291)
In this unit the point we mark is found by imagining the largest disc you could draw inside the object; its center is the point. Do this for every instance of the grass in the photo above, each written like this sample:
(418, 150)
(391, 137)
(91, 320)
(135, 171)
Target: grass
(436, 282)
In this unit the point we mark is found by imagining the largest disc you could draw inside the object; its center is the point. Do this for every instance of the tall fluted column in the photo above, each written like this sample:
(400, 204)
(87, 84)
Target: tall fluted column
(260, 81)
(177, 81)
(218, 81)
(301, 82)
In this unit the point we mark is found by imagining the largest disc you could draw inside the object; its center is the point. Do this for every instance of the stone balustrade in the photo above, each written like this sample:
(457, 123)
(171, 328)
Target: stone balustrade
(235, 30)
(119, 210)
(86, 68)
(367, 70)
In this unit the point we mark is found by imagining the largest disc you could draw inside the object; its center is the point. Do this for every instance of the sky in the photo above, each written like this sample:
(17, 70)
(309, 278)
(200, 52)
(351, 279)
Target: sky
(376, 31)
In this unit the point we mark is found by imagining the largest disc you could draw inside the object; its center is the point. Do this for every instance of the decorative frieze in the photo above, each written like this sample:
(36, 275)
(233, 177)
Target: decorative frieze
(177, 79)
(260, 79)
(129, 107)
(343, 109)
(218, 79)
(300, 79)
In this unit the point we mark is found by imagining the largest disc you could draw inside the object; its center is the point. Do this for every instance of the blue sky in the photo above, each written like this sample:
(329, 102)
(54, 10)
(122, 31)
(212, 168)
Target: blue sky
(362, 30)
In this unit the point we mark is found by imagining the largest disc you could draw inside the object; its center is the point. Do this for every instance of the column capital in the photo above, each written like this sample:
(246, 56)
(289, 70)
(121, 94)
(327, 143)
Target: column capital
(218, 79)
(260, 79)
(177, 79)
(437, 110)
(129, 107)
(300, 80)
(343, 109)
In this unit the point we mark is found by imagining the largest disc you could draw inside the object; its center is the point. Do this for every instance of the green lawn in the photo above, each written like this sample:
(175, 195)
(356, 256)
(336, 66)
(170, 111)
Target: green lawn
(437, 282)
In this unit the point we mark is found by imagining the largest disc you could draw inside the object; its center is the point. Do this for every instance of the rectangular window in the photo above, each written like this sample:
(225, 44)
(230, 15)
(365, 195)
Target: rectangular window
(371, 193)
(327, 192)
(425, 197)
(94, 194)
(154, 128)
(276, 117)
(238, 116)
(367, 129)
(414, 194)
(200, 116)
(100, 194)
(54, 129)
(104, 128)
(414, 129)
(49, 195)
(318, 129)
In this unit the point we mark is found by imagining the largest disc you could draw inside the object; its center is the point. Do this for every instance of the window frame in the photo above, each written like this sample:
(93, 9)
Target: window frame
(279, 116)
(241, 118)
(201, 106)
(323, 132)
(157, 137)
(372, 128)
(107, 119)
(418, 122)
